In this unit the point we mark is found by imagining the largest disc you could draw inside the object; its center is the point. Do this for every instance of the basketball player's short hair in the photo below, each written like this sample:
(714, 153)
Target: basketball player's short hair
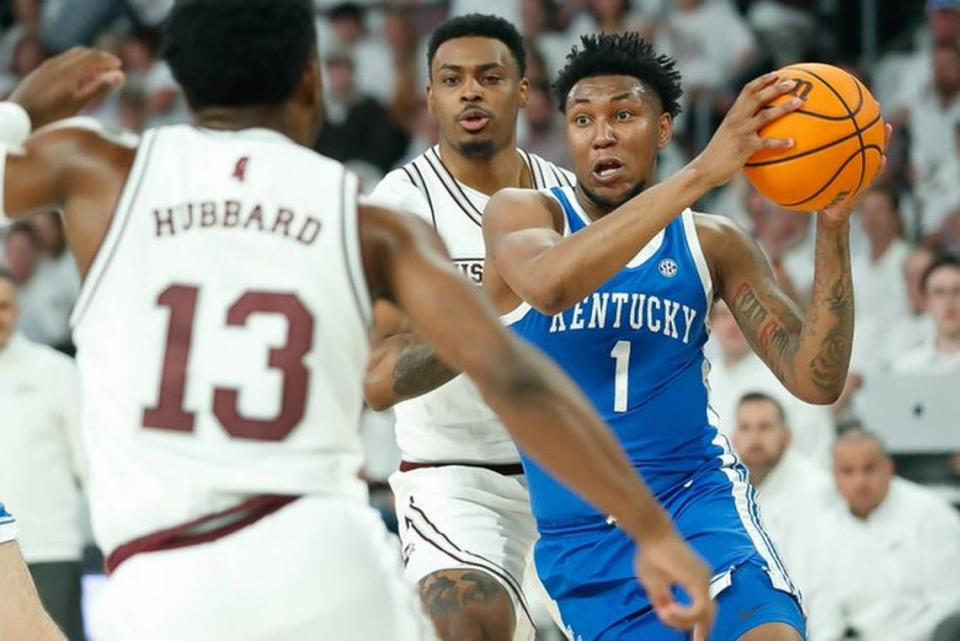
(760, 397)
(621, 54)
(238, 53)
(479, 25)
(940, 261)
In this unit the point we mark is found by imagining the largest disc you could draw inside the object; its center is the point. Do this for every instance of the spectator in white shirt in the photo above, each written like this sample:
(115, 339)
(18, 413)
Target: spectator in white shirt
(889, 568)
(940, 354)
(371, 56)
(46, 298)
(739, 371)
(934, 114)
(792, 491)
(881, 293)
(57, 274)
(42, 462)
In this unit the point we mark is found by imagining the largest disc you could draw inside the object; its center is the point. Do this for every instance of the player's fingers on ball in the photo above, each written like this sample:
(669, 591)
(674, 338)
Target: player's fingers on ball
(760, 82)
(768, 115)
(776, 90)
(887, 134)
(775, 143)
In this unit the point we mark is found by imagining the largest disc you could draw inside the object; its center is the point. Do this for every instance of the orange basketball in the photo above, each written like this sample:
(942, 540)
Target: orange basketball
(838, 141)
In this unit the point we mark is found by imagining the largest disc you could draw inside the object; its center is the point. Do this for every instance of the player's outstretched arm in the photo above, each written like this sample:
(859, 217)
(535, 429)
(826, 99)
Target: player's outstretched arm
(402, 365)
(406, 264)
(552, 272)
(808, 350)
(21, 614)
(42, 172)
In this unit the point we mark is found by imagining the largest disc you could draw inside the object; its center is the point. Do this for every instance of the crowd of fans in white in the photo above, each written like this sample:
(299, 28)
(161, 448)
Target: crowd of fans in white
(877, 556)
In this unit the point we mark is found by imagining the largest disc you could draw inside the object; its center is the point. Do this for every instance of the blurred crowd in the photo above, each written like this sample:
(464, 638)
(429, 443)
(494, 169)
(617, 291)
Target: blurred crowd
(825, 475)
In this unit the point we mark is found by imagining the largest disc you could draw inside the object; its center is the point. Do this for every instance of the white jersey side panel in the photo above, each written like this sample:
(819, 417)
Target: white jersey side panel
(452, 423)
(222, 332)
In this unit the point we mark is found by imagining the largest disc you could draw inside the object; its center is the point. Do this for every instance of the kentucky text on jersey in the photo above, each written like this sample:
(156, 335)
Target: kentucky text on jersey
(628, 310)
(234, 214)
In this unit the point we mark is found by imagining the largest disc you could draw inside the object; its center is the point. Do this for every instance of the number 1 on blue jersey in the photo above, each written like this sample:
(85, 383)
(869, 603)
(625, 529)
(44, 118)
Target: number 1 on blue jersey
(621, 352)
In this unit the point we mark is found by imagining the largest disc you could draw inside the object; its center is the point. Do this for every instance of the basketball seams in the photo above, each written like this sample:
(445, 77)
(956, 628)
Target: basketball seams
(856, 126)
(846, 107)
(861, 152)
(764, 163)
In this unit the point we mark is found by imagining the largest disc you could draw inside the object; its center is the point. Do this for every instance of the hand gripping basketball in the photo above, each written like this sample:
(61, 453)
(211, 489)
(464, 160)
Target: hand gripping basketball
(66, 85)
(738, 136)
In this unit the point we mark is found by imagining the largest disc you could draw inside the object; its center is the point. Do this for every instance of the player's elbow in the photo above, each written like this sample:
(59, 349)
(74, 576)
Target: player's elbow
(378, 394)
(819, 392)
(547, 297)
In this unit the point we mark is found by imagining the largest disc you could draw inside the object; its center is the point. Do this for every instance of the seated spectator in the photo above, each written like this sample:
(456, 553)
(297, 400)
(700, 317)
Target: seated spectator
(357, 127)
(42, 462)
(371, 56)
(941, 194)
(540, 22)
(132, 107)
(27, 16)
(789, 243)
(139, 51)
(889, 562)
(739, 371)
(28, 54)
(47, 278)
(941, 353)
(935, 113)
(881, 296)
(786, 27)
(609, 16)
(792, 491)
(712, 45)
(911, 330)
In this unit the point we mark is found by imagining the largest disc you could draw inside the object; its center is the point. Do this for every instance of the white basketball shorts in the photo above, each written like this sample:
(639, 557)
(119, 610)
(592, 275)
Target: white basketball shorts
(319, 568)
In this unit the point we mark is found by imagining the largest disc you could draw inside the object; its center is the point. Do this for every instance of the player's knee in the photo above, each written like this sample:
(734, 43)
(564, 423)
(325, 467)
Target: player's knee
(468, 605)
(773, 632)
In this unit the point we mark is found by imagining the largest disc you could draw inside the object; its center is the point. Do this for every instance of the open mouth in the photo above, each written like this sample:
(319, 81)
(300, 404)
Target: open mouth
(474, 120)
(607, 169)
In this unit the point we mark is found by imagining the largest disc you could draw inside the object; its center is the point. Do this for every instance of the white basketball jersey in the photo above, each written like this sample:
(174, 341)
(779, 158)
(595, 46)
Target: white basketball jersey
(452, 423)
(222, 332)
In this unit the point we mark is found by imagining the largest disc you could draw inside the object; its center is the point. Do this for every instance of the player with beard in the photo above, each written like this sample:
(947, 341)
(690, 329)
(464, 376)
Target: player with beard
(462, 501)
(614, 280)
(222, 333)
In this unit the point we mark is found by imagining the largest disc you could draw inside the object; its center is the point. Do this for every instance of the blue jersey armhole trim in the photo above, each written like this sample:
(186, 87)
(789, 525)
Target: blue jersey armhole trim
(573, 220)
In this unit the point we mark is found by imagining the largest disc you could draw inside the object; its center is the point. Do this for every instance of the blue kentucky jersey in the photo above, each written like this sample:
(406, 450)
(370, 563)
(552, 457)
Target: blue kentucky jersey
(635, 347)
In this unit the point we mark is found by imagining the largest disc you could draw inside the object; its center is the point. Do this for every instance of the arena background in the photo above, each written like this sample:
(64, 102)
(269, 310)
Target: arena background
(905, 377)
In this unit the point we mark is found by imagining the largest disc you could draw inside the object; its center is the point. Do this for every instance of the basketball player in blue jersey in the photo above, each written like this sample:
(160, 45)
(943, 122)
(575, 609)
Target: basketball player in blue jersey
(21, 615)
(614, 280)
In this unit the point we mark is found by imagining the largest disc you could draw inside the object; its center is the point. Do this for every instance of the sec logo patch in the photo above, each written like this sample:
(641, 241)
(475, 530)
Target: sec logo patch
(668, 268)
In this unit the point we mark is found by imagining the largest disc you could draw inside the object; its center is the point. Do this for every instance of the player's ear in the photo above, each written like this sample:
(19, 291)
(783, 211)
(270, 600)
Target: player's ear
(524, 92)
(665, 131)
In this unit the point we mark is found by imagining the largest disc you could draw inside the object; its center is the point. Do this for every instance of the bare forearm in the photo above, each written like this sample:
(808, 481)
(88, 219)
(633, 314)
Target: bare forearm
(552, 421)
(582, 262)
(405, 367)
(808, 351)
(823, 353)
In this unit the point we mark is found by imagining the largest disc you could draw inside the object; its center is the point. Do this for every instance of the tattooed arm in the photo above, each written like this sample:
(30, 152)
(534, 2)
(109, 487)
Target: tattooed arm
(808, 350)
(401, 365)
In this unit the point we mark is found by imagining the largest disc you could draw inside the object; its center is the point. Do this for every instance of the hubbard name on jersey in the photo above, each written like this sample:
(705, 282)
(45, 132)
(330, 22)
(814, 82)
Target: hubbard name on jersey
(452, 423)
(222, 333)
